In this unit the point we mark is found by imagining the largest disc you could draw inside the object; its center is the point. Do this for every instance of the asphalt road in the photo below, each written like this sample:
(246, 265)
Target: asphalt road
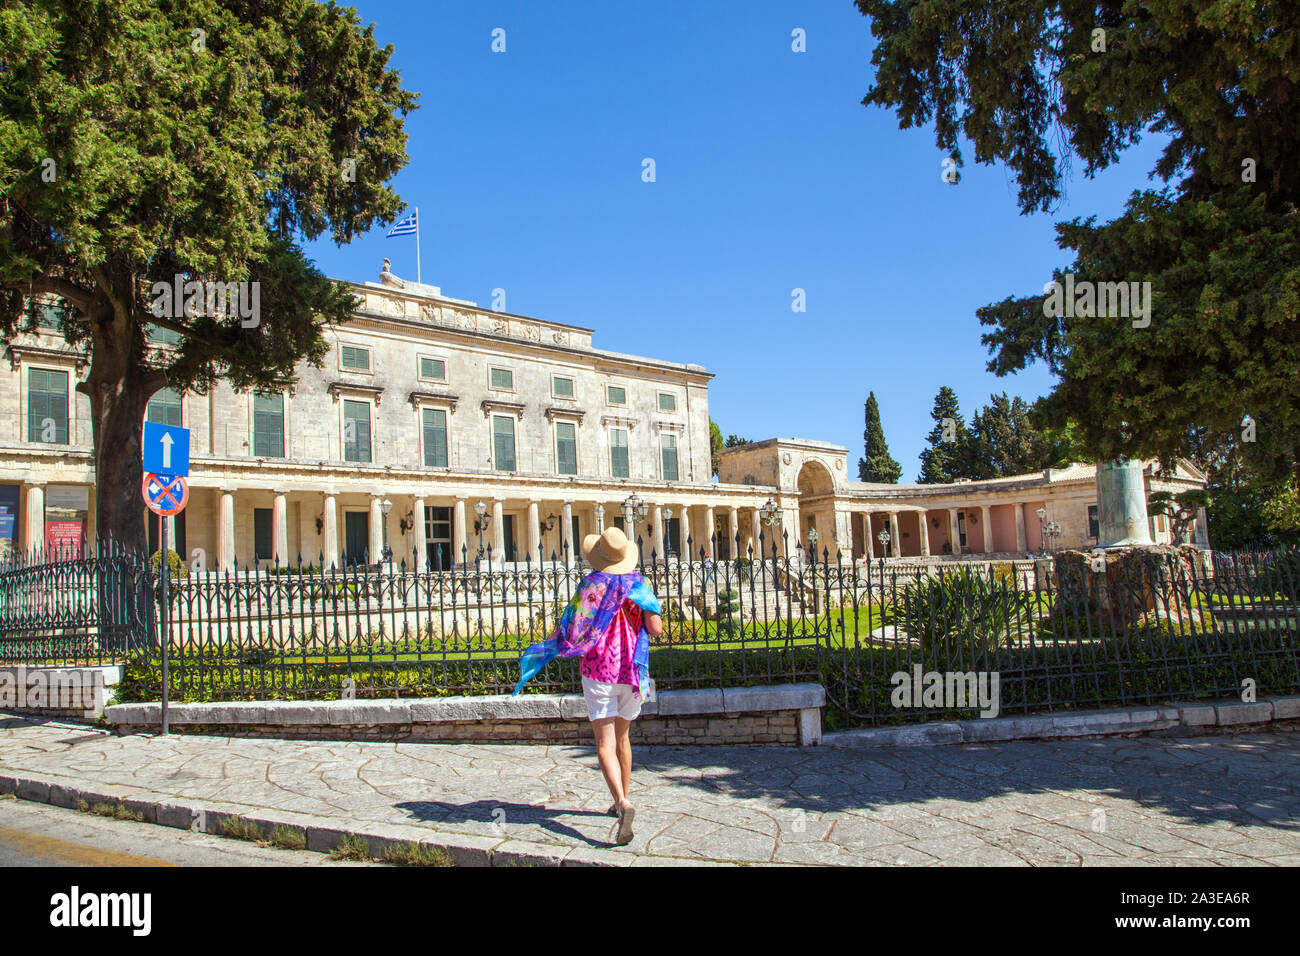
(34, 834)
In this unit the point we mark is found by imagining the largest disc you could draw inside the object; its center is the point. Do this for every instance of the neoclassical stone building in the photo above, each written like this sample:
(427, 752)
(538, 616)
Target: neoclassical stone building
(430, 409)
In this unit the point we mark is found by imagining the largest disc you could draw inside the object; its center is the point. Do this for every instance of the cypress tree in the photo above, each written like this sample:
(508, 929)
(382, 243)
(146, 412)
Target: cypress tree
(876, 464)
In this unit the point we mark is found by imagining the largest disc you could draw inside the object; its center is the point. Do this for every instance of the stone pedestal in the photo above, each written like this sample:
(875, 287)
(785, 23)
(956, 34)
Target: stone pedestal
(1123, 587)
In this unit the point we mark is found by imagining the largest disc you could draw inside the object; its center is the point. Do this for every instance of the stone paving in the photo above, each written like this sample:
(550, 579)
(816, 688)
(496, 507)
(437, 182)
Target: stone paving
(1203, 800)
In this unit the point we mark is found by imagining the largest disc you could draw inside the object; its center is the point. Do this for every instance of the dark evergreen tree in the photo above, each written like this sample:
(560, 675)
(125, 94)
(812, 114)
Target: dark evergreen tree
(1213, 253)
(1003, 441)
(947, 457)
(876, 465)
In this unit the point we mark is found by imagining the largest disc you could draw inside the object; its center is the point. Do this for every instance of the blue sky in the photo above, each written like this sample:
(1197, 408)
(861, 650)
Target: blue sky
(526, 166)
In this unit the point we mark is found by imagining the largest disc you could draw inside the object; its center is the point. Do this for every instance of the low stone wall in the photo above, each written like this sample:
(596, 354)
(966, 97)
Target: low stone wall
(78, 693)
(783, 715)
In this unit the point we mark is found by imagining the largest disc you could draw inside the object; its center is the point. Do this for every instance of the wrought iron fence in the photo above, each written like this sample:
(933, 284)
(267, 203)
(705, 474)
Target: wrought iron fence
(890, 644)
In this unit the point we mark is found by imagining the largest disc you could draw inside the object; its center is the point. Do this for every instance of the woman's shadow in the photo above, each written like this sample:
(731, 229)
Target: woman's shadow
(500, 815)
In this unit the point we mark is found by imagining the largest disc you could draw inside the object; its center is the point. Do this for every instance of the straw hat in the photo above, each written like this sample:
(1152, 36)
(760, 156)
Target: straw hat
(610, 552)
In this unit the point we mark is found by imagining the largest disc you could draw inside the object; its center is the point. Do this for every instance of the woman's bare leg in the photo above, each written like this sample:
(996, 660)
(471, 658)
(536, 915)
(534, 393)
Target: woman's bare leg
(624, 741)
(608, 755)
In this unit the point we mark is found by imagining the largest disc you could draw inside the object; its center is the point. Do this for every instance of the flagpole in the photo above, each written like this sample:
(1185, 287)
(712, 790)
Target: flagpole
(417, 245)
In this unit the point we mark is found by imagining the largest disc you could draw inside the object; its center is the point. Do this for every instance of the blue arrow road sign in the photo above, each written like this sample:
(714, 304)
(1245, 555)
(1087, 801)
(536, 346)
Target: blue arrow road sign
(166, 450)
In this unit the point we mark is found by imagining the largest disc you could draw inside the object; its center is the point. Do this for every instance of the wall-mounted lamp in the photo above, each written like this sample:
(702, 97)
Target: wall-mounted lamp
(407, 523)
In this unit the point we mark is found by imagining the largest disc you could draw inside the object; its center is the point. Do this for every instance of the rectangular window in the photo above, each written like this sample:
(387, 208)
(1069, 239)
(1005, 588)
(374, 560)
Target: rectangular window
(50, 317)
(432, 368)
(355, 358)
(435, 437)
(1094, 527)
(503, 443)
(165, 408)
(501, 378)
(561, 387)
(356, 431)
(667, 402)
(157, 335)
(262, 534)
(668, 453)
(47, 406)
(961, 528)
(618, 460)
(566, 448)
(616, 394)
(268, 425)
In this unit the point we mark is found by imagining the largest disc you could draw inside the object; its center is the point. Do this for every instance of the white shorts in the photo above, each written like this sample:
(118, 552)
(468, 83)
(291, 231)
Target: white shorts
(610, 700)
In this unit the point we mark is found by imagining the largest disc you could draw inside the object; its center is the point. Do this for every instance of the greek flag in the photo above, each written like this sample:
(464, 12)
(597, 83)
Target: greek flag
(405, 227)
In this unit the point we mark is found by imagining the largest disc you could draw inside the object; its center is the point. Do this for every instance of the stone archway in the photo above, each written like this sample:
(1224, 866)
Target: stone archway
(816, 482)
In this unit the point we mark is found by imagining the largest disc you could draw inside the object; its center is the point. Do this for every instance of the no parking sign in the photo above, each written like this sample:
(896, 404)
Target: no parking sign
(165, 495)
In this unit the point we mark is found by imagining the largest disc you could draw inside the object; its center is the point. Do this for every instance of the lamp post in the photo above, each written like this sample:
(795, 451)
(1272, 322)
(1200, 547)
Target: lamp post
(1053, 532)
(1042, 530)
(634, 508)
(386, 507)
(480, 525)
(668, 517)
(600, 518)
(883, 538)
(812, 544)
(771, 517)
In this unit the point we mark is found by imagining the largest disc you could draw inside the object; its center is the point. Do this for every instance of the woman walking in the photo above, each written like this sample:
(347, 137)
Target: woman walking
(608, 624)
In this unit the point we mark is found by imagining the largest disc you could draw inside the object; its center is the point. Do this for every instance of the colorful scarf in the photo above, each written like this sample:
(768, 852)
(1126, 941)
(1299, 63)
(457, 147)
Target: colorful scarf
(587, 619)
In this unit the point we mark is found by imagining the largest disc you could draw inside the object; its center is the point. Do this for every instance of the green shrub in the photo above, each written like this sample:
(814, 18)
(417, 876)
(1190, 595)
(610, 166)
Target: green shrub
(728, 612)
(176, 568)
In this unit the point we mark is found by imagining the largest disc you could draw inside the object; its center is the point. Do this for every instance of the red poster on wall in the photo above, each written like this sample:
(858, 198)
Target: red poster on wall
(65, 520)
(65, 539)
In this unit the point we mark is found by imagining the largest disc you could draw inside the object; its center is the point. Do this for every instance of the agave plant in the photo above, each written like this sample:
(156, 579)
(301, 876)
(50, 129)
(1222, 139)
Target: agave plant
(959, 616)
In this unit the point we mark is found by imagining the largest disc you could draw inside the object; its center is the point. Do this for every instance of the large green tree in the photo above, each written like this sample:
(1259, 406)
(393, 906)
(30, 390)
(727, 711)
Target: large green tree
(145, 140)
(1003, 441)
(877, 464)
(945, 458)
(1039, 84)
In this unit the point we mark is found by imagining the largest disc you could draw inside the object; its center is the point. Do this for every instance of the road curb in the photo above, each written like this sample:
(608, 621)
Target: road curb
(1197, 716)
(321, 834)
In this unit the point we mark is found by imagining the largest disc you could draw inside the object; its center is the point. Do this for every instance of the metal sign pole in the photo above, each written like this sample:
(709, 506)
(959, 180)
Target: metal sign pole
(165, 634)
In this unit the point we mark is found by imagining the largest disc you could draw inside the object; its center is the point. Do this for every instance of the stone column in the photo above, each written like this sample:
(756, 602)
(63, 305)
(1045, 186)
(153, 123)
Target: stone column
(225, 530)
(710, 534)
(534, 531)
(923, 523)
(684, 526)
(279, 530)
(735, 547)
(987, 521)
(498, 532)
(954, 532)
(567, 544)
(1021, 541)
(421, 556)
(895, 539)
(34, 527)
(458, 543)
(376, 530)
(330, 509)
(755, 531)
(657, 531)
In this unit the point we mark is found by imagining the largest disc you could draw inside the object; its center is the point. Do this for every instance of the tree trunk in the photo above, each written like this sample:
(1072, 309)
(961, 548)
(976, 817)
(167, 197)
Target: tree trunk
(119, 386)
